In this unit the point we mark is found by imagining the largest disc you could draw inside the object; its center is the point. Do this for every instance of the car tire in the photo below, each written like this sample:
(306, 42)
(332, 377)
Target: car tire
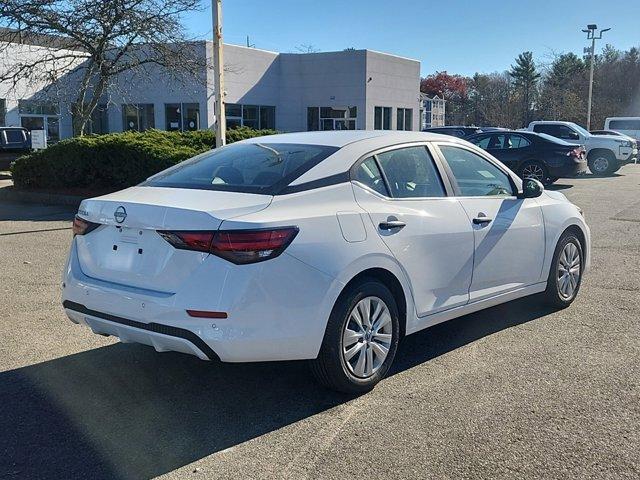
(567, 256)
(602, 163)
(534, 169)
(337, 366)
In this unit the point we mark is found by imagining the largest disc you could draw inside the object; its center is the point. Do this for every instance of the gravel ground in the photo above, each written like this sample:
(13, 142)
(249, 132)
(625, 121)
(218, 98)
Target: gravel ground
(517, 391)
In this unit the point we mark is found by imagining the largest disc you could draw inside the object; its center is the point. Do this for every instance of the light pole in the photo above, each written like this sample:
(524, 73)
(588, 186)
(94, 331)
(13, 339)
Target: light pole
(218, 73)
(591, 35)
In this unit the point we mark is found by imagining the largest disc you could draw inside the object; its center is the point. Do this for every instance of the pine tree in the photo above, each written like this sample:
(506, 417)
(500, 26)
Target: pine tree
(525, 78)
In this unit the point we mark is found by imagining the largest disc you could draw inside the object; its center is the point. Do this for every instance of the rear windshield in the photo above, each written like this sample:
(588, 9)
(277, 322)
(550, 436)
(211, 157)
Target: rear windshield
(244, 167)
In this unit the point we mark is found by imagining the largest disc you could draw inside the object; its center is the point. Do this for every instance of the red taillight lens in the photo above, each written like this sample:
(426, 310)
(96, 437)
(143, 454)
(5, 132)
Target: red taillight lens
(198, 241)
(82, 227)
(237, 246)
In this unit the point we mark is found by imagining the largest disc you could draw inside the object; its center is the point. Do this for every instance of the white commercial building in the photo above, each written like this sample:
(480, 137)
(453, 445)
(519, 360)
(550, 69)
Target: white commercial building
(351, 89)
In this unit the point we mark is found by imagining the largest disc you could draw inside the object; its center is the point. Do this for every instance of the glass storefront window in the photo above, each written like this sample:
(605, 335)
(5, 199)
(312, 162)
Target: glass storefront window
(331, 118)
(38, 107)
(138, 116)
(253, 116)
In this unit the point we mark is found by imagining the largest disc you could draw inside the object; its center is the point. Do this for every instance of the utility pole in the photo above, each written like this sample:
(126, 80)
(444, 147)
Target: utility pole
(218, 73)
(591, 35)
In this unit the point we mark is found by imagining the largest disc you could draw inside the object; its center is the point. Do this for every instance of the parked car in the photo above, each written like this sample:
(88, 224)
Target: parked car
(533, 155)
(605, 153)
(14, 141)
(627, 125)
(325, 246)
(610, 132)
(454, 131)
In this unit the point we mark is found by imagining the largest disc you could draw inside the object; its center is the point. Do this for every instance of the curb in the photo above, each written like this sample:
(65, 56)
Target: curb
(24, 196)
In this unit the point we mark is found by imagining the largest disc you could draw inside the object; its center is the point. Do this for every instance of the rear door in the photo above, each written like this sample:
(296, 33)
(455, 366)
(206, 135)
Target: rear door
(508, 232)
(427, 231)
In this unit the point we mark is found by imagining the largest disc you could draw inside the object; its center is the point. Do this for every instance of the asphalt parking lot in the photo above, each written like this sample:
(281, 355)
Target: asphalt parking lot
(517, 391)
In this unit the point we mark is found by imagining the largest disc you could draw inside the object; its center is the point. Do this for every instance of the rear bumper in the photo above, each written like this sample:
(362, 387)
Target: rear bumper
(568, 169)
(277, 310)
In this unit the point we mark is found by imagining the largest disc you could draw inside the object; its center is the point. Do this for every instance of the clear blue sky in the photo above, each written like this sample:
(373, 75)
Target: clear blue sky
(460, 36)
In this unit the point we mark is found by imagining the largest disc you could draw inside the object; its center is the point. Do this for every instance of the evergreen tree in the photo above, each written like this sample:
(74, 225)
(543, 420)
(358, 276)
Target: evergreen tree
(525, 78)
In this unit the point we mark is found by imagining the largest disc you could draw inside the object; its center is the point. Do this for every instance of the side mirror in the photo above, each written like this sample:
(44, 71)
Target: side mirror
(573, 136)
(531, 188)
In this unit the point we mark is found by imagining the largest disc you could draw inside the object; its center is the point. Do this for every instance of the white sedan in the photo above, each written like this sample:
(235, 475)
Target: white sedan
(326, 246)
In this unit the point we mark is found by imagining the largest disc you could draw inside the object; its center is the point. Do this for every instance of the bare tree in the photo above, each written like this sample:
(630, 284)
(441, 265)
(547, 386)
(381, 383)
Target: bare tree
(93, 43)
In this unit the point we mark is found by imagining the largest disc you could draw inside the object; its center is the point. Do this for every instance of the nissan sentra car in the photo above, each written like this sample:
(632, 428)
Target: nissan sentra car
(324, 246)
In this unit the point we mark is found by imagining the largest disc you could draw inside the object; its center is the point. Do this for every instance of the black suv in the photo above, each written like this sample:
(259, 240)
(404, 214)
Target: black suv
(14, 141)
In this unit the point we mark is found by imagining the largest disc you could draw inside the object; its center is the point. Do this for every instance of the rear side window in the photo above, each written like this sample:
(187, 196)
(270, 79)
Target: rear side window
(369, 174)
(411, 173)
(244, 167)
(475, 176)
(482, 142)
(518, 141)
(624, 124)
(559, 131)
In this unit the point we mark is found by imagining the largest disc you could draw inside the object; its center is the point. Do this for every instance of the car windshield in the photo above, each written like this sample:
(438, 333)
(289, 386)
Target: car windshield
(244, 167)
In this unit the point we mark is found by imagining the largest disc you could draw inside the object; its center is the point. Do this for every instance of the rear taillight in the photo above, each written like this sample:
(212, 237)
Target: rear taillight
(81, 226)
(237, 246)
(576, 153)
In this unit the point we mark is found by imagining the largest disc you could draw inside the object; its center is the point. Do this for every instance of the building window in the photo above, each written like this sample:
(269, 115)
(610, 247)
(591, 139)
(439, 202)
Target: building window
(138, 117)
(382, 118)
(253, 116)
(3, 111)
(405, 119)
(182, 116)
(41, 115)
(331, 118)
(37, 107)
(98, 123)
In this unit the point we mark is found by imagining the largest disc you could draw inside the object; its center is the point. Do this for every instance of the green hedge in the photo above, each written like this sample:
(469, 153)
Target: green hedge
(116, 160)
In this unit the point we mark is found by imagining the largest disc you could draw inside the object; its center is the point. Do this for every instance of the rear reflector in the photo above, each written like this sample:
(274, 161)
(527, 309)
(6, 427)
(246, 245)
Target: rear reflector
(81, 226)
(206, 314)
(237, 246)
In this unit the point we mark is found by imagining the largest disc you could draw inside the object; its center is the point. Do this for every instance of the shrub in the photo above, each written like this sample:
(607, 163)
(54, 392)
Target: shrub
(116, 160)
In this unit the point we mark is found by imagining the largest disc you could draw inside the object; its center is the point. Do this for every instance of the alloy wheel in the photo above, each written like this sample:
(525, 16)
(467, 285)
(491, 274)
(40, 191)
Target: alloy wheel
(367, 336)
(534, 171)
(569, 271)
(601, 164)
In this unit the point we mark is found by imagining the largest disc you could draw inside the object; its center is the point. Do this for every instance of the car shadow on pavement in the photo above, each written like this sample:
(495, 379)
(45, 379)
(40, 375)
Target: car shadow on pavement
(35, 212)
(125, 411)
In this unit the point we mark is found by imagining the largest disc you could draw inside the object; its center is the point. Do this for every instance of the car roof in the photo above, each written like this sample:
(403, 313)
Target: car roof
(341, 138)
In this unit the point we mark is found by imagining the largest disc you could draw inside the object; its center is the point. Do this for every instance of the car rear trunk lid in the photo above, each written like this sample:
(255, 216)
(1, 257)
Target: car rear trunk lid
(126, 248)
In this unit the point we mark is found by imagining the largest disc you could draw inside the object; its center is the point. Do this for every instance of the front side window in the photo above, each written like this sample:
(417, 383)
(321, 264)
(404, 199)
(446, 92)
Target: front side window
(482, 142)
(475, 175)
(249, 167)
(369, 174)
(411, 173)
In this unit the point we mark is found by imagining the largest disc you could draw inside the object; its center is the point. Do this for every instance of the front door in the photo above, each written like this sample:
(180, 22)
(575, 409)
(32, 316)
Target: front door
(426, 231)
(509, 232)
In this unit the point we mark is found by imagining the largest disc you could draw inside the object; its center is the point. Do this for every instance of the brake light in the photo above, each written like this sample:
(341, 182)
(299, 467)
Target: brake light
(237, 246)
(81, 226)
(576, 153)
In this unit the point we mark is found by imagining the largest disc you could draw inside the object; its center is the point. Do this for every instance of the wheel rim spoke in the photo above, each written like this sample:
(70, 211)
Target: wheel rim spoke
(367, 337)
(569, 269)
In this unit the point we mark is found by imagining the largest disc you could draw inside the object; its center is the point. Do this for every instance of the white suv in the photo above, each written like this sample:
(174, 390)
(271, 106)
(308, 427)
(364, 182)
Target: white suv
(605, 153)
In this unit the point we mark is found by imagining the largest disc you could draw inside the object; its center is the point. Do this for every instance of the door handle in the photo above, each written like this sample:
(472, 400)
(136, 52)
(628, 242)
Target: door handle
(482, 220)
(391, 224)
